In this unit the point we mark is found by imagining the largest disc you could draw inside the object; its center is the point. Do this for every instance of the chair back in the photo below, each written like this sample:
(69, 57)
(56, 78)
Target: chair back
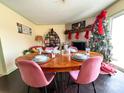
(35, 47)
(31, 73)
(89, 70)
(49, 48)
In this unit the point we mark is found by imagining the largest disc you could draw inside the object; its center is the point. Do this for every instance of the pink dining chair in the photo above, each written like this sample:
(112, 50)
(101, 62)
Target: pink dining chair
(88, 72)
(32, 74)
(49, 49)
(36, 47)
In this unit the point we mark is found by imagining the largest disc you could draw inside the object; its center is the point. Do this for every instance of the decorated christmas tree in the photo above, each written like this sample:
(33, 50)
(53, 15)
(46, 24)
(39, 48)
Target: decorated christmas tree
(100, 40)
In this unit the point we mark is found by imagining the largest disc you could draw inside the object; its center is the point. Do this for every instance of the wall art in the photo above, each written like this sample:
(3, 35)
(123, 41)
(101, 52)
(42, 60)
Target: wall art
(24, 29)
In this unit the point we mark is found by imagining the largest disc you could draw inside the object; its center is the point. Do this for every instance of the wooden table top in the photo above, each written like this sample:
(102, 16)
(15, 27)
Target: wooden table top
(61, 63)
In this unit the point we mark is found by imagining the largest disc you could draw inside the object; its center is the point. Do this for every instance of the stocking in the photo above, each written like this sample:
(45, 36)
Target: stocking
(87, 34)
(69, 35)
(77, 35)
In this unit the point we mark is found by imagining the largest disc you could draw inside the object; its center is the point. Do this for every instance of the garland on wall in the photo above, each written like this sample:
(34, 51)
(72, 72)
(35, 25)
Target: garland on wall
(100, 40)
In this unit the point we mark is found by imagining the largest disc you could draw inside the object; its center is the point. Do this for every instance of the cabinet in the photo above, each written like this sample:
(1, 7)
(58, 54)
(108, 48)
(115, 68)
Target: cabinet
(52, 39)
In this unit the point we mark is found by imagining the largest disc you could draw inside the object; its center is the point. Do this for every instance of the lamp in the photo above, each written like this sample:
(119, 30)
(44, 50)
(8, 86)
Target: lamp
(39, 39)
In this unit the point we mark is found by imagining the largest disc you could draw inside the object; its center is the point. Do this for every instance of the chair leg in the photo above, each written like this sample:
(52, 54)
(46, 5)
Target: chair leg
(78, 90)
(45, 89)
(94, 87)
(68, 81)
(55, 84)
(28, 88)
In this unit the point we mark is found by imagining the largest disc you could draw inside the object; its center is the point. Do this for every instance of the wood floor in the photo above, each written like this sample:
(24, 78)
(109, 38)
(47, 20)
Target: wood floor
(12, 83)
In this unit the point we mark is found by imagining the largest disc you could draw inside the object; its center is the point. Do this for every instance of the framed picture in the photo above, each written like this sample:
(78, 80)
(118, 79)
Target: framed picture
(79, 25)
(24, 29)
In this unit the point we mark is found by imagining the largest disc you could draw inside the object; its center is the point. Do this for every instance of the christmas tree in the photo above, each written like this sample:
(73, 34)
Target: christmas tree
(100, 40)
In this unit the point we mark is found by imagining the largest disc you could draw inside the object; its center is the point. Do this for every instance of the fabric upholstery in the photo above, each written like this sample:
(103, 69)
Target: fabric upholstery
(33, 75)
(89, 71)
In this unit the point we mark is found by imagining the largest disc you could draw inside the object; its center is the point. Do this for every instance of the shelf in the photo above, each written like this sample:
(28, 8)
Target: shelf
(52, 39)
(89, 27)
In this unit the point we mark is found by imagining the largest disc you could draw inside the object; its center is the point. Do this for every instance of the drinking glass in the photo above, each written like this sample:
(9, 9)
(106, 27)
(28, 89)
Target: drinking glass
(87, 51)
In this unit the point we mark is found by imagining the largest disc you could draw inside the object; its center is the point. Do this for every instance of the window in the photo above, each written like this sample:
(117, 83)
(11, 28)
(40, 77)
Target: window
(117, 39)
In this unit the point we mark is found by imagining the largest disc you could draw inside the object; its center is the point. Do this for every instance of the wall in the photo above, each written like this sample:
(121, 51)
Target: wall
(116, 8)
(2, 64)
(12, 42)
(44, 29)
(112, 10)
(89, 21)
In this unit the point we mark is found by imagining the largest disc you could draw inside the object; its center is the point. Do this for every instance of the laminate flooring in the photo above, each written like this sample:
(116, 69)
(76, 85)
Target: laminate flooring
(12, 83)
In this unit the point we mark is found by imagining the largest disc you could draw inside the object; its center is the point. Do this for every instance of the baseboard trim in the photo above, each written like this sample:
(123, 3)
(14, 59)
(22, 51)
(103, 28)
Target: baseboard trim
(119, 68)
(10, 70)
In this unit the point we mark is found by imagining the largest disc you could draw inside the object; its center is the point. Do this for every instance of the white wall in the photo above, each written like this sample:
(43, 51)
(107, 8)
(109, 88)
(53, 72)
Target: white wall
(89, 21)
(2, 64)
(13, 43)
(116, 8)
(44, 29)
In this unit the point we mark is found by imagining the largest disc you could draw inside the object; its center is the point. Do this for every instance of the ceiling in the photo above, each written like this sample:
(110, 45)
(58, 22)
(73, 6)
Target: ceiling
(57, 11)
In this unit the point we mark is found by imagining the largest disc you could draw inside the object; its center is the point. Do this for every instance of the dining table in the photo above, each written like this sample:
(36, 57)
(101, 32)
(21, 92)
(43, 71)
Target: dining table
(60, 63)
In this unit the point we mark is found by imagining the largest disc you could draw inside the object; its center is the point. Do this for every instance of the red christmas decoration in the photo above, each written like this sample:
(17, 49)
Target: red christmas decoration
(100, 19)
(100, 28)
(77, 35)
(69, 36)
(87, 32)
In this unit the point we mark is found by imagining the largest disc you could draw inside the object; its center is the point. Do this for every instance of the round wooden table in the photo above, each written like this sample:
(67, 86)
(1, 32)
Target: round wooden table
(61, 63)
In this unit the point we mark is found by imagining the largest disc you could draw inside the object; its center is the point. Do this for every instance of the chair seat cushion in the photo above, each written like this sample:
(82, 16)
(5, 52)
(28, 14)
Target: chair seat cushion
(74, 74)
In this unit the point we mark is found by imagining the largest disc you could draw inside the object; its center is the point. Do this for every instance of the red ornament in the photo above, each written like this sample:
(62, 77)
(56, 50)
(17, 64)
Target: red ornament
(77, 35)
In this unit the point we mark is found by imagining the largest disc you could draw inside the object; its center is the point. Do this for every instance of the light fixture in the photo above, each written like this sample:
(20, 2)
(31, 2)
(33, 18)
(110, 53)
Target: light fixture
(39, 39)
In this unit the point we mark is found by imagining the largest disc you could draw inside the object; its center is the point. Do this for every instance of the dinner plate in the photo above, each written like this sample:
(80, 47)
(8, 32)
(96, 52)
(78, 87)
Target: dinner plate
(80, 57)
(56, 51)
(41, 58)
(73, 50)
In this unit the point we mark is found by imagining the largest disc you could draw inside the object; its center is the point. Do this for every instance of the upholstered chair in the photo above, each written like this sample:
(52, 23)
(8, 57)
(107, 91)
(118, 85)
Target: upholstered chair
(88, 72)
(33, 75)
